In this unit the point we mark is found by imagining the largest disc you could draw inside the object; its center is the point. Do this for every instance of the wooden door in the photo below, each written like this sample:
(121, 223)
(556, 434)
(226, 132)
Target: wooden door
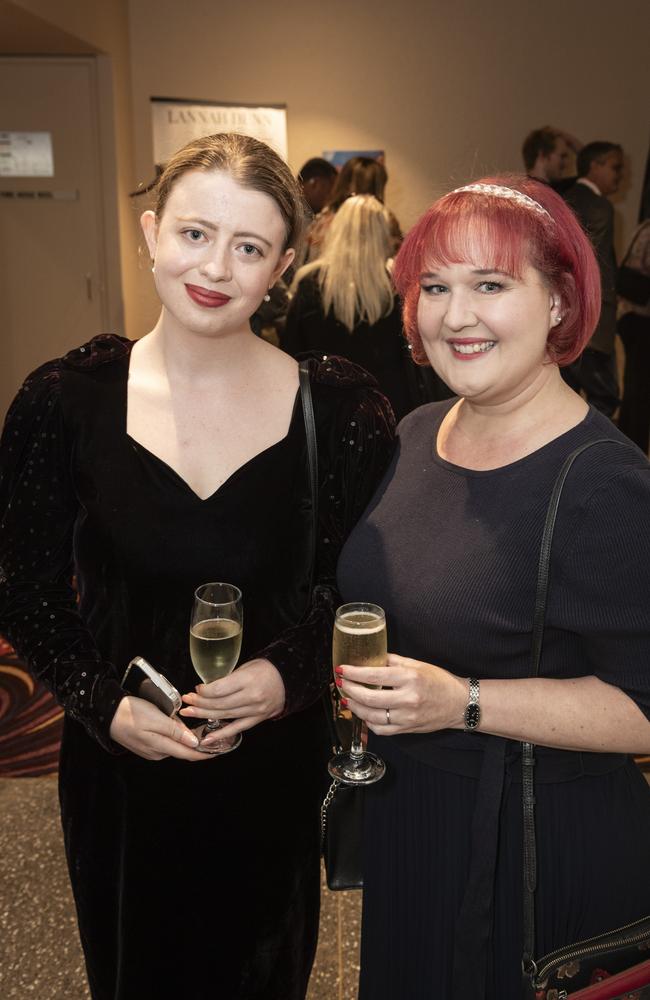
(52, 290)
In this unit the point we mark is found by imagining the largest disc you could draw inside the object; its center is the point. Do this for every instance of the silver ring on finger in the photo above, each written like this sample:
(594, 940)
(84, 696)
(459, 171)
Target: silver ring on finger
(388, 716)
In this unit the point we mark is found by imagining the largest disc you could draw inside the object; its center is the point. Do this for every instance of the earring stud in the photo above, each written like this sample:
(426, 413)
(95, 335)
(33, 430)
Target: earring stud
(267, 297)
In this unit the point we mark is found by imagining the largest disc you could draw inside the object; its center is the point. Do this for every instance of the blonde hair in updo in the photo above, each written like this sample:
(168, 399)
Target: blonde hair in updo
(250, 163)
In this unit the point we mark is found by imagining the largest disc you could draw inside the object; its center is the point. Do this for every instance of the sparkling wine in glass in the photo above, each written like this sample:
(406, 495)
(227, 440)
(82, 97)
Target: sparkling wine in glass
(360, 640)
(215, 643)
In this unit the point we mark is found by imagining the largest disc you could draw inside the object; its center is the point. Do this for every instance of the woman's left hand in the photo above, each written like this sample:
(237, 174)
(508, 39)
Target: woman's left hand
(249, 695)
(419, 697)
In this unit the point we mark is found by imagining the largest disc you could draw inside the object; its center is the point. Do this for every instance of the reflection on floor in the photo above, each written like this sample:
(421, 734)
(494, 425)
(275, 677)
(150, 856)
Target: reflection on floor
(40, 954)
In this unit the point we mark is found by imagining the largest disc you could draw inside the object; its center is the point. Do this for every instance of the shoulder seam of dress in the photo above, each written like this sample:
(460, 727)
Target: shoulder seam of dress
(100, 350)
(332, 369)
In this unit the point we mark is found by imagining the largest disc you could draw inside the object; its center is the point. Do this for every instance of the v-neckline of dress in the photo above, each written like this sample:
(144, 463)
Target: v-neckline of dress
(170, 469)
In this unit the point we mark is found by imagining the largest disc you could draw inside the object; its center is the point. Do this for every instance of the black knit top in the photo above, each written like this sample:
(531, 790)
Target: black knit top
(452, 554)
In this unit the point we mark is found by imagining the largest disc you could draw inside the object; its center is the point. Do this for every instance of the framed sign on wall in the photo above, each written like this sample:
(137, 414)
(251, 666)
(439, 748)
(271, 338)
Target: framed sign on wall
(177, 121)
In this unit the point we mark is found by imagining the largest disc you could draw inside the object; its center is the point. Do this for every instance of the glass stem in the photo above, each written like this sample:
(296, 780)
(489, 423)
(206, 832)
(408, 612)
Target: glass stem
(356, 748)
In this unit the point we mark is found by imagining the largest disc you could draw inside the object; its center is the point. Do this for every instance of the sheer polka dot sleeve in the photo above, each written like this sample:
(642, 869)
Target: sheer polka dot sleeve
(38, 607)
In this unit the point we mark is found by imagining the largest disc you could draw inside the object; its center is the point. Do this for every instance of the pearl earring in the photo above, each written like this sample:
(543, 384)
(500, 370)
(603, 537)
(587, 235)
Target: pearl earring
(267, 297)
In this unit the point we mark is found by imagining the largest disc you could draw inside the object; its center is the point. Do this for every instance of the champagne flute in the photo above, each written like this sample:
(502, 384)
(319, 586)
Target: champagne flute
(360, 640)
(215, 643)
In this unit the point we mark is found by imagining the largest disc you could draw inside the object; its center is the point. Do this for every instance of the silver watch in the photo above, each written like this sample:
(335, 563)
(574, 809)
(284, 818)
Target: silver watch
(472, 714)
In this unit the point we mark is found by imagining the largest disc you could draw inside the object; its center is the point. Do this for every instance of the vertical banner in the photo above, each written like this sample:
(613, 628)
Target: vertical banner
(176, 122)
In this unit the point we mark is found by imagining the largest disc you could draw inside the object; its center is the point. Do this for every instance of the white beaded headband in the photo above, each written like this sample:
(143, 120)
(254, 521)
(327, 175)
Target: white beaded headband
(504, 192)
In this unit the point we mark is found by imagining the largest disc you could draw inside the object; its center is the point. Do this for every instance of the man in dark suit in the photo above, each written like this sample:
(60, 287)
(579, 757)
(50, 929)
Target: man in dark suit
(600, 165)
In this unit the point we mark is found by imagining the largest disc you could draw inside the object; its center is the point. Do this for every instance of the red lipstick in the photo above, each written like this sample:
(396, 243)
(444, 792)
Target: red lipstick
(204, 297)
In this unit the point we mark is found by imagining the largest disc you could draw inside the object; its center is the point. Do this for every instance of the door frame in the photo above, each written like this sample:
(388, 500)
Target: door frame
(109, 280)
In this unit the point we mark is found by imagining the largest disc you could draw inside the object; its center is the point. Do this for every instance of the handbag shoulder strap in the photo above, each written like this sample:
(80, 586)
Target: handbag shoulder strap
(312, 461)
(312, 456)
(527, 749)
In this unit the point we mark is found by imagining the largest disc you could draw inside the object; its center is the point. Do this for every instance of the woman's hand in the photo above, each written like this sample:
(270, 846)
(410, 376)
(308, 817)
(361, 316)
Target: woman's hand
(249, 695)
(142, 728)
(420, 697)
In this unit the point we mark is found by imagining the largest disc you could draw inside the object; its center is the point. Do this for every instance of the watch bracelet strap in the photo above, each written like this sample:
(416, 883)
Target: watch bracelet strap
(473, 696)
(312, 461)
(527, 749)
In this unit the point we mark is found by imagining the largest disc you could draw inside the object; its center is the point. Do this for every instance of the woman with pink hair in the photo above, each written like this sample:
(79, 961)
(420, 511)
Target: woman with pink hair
(500, 289)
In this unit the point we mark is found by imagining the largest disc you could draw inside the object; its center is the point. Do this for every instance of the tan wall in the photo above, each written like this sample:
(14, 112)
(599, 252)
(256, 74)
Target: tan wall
(448, 90)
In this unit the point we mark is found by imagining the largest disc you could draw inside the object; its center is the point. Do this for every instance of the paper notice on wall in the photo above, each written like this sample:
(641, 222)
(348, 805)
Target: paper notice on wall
(26, 154)
(177, 122)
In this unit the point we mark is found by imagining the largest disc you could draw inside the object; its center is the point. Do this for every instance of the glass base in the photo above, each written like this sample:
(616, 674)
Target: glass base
(221, 746)
(361, 769)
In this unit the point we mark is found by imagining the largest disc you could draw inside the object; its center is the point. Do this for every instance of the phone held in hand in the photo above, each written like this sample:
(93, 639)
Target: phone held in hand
(144, 681)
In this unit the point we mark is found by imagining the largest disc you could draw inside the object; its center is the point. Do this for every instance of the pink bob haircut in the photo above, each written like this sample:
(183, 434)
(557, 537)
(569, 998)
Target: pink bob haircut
(489, 231)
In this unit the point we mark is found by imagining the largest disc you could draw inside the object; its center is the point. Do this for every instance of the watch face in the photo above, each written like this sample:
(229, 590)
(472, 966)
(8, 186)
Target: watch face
(472, 716)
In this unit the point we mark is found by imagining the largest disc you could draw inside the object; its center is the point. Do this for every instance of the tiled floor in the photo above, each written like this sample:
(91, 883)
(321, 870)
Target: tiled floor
(40, 955)
(336, 970)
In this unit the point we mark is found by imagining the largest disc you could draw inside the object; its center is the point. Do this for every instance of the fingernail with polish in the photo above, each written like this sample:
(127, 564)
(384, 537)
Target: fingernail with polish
(344, 702)
(339, 682)
(338, 670)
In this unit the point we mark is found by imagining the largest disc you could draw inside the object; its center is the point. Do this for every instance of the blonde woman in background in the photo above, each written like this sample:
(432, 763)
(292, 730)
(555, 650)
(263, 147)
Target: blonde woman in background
(343, 303)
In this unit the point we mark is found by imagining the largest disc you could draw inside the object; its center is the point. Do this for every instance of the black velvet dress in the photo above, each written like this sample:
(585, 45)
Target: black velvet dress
(195, 880)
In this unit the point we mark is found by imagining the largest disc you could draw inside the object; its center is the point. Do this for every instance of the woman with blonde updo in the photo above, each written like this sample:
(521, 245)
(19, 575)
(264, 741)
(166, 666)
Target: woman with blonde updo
(148, 468)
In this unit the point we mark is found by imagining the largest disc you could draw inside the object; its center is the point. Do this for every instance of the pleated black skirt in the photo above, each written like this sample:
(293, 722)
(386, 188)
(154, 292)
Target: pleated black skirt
(593, 834)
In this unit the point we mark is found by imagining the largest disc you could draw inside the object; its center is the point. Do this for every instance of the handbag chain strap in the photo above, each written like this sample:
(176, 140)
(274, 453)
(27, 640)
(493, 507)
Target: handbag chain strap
(527, 749)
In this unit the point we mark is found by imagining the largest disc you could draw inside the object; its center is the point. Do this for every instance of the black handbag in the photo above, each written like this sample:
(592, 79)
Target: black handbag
(341, 819)
(581, 964)
(632, 284)
(342, 808)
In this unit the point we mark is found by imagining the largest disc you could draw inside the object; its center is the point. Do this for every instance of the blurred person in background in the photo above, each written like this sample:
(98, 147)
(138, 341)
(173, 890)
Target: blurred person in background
(634, 331)
(317, 177)
(359, 175)
(344, 304)
(547, 154)
(600, 166)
